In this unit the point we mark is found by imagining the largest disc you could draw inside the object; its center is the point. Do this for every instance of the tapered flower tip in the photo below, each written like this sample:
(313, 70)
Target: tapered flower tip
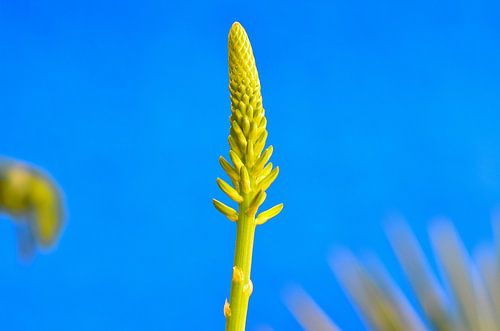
(241, 59)
(237, 25)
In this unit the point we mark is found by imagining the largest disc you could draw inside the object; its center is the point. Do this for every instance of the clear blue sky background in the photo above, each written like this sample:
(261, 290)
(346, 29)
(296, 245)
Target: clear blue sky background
(374, 108)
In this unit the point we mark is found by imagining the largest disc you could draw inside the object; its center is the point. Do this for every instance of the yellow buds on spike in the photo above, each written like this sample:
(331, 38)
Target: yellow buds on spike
(231, 192)
(268, 214)
(246, 125)
(252, 135)
(260, 142)
(251, 173)
(238, 134)
(266, 171)
(269, 179)
(226, 210)
(250, 156)
(245, 180)
(228, 168)
(236, 160)
(256, 203)
(263, 159)
(233, 145)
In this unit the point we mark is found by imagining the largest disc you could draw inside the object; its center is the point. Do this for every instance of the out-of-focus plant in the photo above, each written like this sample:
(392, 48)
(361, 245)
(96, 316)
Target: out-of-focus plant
(250, 173)
(467, 298)
(31, 198)
(307, 312)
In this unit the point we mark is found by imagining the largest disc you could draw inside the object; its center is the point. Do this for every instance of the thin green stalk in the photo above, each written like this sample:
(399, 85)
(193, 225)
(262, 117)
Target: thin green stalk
(242, 287)
(249, 171)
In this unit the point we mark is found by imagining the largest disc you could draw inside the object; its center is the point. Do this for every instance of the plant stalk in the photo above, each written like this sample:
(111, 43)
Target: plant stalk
(241, 285)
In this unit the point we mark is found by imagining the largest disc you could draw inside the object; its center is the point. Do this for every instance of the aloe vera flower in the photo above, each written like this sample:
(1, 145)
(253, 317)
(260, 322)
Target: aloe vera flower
(249, 171)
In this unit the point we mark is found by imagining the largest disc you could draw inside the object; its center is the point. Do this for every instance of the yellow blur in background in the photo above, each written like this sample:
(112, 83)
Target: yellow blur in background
(33, 201)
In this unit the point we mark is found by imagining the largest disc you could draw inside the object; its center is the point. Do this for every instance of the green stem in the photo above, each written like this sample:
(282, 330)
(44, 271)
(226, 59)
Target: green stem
(241, 285)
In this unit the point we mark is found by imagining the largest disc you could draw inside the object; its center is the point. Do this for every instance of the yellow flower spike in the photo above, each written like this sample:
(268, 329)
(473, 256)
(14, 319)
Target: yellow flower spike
(250, 172)
(35, 203)
(250, 112)
(234, 146)
(238, 133)
(250, 157)
(246, 125)
(236, 115)
(266, 171)
(256, 203)
(260, 142)
(254, 130)
(263, 159)
(227, 211)
(261, 121)
(236, 160)
(268, 214)
(269, 179)
(230, 171)
(231, 192)
(245, 180)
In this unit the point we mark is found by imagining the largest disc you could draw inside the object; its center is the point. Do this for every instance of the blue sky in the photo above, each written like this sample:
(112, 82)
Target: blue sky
(374, 108)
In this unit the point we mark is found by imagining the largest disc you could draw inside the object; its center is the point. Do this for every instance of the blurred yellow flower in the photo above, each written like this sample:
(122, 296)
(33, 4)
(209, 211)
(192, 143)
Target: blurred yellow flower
(34, 202)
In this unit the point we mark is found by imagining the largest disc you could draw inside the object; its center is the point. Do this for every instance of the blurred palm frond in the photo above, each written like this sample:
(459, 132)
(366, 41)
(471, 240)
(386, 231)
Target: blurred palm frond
(464, 296)
(307, 312)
